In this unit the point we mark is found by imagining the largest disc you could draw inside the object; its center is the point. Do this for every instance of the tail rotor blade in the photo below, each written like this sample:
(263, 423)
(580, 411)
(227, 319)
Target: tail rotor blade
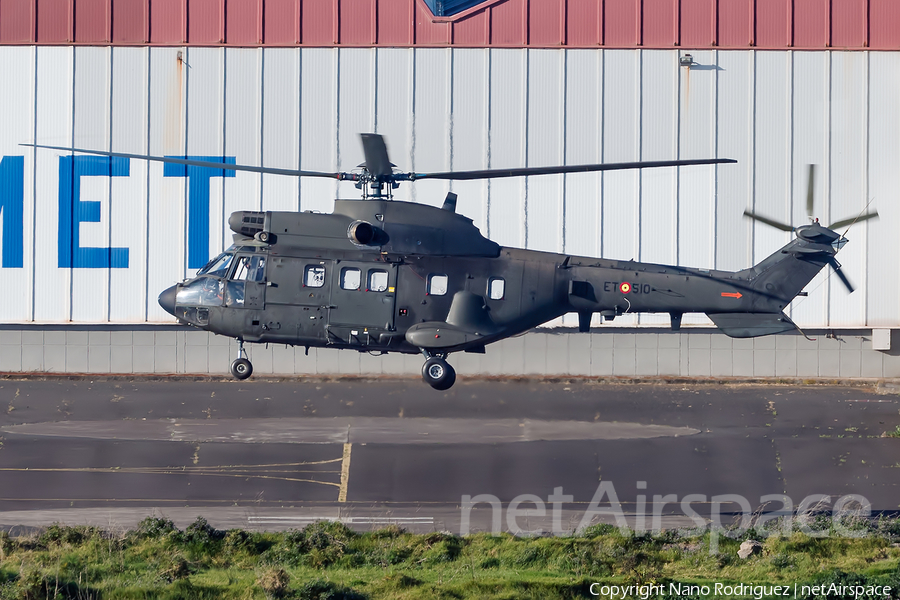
(375, 151)
(810, 187)
(768, 221)
(836, 266)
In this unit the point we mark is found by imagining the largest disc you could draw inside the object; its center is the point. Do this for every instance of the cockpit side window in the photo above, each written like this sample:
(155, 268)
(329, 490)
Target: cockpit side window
(217, 267)
(250, 268)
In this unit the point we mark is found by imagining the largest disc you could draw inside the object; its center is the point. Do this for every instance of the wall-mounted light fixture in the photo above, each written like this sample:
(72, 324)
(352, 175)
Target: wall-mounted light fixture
(687, 60)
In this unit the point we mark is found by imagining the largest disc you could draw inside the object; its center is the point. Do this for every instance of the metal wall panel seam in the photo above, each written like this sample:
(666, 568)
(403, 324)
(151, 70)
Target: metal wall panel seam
(223, 218)
(337, 105)
(300, 88)
(34, 117)
(70, 271)
(564, 106)
(601, 82)
(868, 118)
(676, 23)
(109, 180)
(601, 225)
(790, 24)
(525, 148)
(486, 157)
(677, 121)
(186, 74)
(714, 143)
(752, 20)
(829, 158)
(601, 11)
(714, 131)
(751, 227)
(336, 22)
(489, 139)
(638, 208)
(261, 102)
(375, 95)
(639, 22)
(867, 40)
(790, 135)
(147, 295)
(414, 82)
(526, 30)
(260, 34)
(563, 27)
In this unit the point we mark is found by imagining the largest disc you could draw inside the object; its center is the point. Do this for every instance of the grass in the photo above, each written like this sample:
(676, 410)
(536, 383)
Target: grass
(894, 434)
(328, 561)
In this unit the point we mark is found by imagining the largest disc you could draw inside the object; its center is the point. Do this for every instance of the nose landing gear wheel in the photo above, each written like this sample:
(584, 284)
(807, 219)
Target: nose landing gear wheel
(438, 374)
(241, 368)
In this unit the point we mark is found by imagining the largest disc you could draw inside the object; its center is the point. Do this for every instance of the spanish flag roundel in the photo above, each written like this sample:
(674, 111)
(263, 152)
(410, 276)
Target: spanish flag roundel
(624, 287)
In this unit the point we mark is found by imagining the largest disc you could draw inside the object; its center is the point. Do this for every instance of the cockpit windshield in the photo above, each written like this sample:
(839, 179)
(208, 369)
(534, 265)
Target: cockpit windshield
(203, 291)
(218, 267)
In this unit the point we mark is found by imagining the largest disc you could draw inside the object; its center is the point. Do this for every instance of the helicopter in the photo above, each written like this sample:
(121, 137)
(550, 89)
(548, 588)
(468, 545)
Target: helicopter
(381, 275)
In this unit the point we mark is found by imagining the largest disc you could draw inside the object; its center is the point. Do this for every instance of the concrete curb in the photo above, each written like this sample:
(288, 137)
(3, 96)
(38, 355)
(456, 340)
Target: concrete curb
(883, 386)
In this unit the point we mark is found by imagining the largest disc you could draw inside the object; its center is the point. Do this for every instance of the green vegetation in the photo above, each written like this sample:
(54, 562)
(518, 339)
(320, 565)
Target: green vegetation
(328, 561)
(894, 434)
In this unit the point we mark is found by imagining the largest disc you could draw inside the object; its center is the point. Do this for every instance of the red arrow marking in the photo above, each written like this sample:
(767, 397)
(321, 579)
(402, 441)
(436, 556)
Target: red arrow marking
(731, 294)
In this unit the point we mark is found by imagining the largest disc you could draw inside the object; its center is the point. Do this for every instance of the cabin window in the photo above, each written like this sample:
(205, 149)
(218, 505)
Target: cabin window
(314, 276)
(378, 280)
(496, 288)
(350, 278)
(437, 284)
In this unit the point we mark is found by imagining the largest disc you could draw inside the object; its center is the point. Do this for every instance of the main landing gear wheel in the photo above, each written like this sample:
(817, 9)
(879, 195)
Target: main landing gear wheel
(438, 374)
(241, 368)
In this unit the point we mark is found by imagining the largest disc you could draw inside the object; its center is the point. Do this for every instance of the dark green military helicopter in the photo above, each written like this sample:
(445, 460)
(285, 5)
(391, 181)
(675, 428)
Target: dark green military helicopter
(379, 275)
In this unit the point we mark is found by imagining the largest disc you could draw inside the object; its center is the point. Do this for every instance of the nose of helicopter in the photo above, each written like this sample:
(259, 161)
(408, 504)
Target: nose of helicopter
(167, 300)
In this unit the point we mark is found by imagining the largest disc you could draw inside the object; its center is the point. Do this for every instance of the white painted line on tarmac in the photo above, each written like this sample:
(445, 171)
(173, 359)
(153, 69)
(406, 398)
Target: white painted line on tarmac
(346, 520)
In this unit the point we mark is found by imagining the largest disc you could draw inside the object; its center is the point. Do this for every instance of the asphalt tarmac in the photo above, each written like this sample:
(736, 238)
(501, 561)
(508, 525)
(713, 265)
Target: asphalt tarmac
(279, 454)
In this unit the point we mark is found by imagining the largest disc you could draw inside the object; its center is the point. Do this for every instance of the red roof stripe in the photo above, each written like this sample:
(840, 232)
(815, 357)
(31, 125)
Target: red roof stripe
(691, 24)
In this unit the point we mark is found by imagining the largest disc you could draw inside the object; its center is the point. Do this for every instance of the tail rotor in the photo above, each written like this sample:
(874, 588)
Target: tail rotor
(816, 232)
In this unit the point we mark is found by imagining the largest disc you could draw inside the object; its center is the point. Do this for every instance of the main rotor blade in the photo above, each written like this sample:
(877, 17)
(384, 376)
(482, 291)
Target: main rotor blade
(768, 221)
(204, 164)
(522, 171)
(836, 266)
(375, 151)
(810, 183)
(848, 221)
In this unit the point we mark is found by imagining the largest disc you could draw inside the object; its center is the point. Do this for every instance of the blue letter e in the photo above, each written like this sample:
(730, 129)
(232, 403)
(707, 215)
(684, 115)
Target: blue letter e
(73, 212)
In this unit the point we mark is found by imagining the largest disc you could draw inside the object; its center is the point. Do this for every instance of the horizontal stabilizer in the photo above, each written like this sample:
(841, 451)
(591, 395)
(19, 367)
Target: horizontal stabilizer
(746, 325)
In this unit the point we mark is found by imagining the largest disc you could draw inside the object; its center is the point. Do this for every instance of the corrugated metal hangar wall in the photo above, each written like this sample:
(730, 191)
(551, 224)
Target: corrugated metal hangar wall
(775, 112)
(100, 250)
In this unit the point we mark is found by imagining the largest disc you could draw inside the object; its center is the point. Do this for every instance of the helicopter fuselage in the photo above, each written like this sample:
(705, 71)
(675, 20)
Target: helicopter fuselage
(372, 277)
